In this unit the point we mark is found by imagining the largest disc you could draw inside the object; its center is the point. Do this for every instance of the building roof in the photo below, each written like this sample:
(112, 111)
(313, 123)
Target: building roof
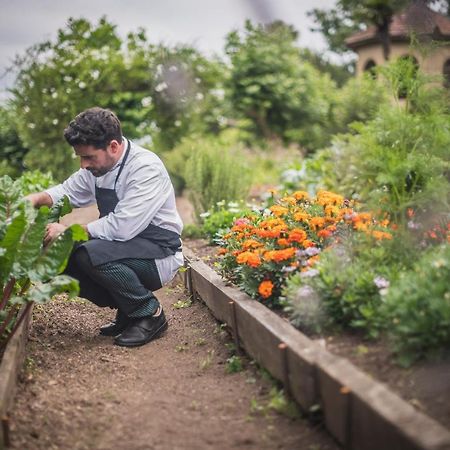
(416, 18)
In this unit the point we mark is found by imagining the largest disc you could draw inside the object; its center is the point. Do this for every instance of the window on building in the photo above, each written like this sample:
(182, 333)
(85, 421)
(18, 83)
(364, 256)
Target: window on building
(446, 73)
(369, 66)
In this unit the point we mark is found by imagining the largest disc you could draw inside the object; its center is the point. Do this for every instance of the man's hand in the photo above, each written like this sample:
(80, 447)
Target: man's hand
(53, 231)
(39, 199)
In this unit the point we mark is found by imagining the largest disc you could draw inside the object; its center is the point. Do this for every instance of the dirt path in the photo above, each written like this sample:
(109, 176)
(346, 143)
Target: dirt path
(81, 392)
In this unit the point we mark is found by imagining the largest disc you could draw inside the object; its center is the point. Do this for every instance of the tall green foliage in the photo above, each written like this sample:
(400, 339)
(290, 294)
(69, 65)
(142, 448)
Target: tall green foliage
(156, 91)
(215, 171)
(281, 95)
(12, 148)
(29, 272)
(400, 158)
(86, 66)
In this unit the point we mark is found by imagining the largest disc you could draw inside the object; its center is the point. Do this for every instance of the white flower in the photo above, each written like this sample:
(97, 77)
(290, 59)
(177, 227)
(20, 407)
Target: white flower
(55, 95)
(177, 123)
(55, 121)
(161, 86)
(67, 78)
(218, 93)
(199, 96)
(146, 101)
(205, 214)
(309, 273)
(81, 84)
(95, 74)
(32, 126)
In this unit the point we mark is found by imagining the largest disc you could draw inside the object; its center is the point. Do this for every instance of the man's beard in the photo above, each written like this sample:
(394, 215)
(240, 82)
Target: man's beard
(99, 172)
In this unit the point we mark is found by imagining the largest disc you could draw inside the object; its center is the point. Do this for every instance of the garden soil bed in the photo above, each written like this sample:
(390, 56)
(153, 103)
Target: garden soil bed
(78, 391)
(425, 385)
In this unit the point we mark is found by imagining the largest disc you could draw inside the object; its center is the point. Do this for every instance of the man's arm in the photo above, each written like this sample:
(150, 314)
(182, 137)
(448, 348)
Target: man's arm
(40, 199)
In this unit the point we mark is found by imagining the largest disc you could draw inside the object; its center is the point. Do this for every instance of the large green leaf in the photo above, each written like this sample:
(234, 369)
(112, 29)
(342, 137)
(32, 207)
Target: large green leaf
(59, 209)
(31, 244)
(14, 231)
(43, 292)
(54, 258)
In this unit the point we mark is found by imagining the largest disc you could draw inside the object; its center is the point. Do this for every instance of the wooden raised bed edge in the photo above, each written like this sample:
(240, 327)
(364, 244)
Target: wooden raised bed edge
(10, 366)
(359, 412)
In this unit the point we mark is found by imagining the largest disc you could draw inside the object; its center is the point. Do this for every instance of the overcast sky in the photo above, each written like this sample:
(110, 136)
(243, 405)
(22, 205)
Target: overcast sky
(202, 23)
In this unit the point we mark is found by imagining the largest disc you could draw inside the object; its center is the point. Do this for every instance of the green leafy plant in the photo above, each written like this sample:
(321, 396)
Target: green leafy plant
(215, 171)
(219, 219)
(29, 272)
(418, 307)
(279, 94)
(234, 364)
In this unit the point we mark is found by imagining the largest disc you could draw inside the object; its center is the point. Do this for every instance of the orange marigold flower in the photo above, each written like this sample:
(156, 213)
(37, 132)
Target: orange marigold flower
(329, 198)
(282, 242)
(278, 210)
(251, 243)
(317, 222)
(300, 195)
(279, 255)
(222, 251)
(325, 233)
(290, 200)
(274, 233)
(297, 235)
(301, 216)
(249, 258)
(379, 235)
(307, 243)
(265, 289)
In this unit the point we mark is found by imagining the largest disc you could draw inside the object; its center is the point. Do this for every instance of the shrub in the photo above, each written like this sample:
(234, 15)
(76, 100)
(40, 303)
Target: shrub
(219, 219)
(215, 171)
(304, 306)
(418, 306)
(29, 272)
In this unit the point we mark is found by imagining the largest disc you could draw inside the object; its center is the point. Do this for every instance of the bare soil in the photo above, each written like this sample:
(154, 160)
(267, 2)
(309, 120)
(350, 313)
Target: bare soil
(425, 385)
(79, 391)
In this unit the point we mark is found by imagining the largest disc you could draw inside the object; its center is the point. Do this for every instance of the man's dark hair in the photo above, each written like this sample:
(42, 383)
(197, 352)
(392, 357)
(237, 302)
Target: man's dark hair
(95, 126)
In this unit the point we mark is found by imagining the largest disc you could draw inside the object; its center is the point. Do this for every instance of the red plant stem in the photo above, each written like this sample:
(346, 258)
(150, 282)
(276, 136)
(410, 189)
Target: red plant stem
(8, 319)
(18, 322)
(7, 292)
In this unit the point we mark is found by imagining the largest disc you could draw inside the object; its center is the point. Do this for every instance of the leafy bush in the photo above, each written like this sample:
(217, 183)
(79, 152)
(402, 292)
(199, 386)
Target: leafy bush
(280, 94)
(219, 219)
(30, 272)
(351, 279)
(215, 171)
(400, 159)
(418, 306)
(304, 306)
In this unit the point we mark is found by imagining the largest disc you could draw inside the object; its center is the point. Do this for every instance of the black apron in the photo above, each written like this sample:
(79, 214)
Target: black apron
(152, 243)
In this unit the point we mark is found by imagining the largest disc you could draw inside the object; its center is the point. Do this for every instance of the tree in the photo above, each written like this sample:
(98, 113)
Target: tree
(350, 16)
(278, 93)
(13, 150)
(87, 66)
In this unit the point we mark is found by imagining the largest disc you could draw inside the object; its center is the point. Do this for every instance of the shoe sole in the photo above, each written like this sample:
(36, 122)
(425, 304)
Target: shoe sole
(155, 335)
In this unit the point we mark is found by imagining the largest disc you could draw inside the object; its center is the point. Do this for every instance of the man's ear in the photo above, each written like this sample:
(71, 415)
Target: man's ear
(115, 146)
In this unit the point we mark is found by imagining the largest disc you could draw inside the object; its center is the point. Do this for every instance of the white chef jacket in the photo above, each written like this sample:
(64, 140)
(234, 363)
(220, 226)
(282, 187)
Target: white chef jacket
(145, 194)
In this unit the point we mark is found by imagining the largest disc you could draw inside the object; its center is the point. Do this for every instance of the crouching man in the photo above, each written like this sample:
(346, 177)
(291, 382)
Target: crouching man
(134, 248)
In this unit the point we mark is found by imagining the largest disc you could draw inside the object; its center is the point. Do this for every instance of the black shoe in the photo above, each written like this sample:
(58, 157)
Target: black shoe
(116, 326)
(142, 330)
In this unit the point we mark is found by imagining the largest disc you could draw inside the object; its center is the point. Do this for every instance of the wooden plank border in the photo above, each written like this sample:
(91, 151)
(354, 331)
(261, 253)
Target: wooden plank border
(10, 366)
(361, 413)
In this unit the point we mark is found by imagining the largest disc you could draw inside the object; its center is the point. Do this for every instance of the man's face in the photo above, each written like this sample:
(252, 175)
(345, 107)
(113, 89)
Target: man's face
(97, 161)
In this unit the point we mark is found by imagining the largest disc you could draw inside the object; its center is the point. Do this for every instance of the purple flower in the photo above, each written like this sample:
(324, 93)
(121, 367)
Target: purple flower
(381, 283)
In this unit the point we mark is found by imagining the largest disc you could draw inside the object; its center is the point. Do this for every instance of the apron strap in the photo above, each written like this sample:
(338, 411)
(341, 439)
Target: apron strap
(122, 164)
